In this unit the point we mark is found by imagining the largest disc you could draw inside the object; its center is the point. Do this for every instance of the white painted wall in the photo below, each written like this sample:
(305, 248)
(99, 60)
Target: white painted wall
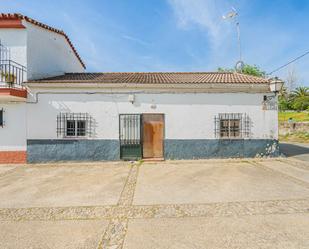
(16, 40)
(13, 133)
(49, 54)
(44, 53)
(187, 116)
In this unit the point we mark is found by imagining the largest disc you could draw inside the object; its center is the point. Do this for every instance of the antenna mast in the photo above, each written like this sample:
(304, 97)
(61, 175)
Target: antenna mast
(233, 15)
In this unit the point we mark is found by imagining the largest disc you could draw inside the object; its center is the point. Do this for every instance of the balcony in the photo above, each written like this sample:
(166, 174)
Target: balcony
(12, 76)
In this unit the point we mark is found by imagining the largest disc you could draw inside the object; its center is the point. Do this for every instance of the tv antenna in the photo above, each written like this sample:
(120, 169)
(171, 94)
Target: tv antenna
(233, 15)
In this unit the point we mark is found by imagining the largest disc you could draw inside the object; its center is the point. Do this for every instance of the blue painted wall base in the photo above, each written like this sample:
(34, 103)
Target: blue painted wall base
(219, 148)
(40, 151)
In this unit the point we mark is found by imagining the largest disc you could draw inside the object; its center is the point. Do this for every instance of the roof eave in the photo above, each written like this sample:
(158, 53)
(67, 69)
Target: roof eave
(208, 87)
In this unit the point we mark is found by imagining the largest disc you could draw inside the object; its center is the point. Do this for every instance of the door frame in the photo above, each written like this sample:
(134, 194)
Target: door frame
(141, 132)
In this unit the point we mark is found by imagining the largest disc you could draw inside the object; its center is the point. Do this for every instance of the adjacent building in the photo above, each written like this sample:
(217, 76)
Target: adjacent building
(51, 110)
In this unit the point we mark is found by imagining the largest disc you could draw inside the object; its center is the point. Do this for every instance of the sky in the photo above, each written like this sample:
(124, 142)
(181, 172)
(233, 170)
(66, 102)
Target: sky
(178, 35)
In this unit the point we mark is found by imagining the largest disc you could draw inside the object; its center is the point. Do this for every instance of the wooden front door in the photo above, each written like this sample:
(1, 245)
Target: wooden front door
(153, 132)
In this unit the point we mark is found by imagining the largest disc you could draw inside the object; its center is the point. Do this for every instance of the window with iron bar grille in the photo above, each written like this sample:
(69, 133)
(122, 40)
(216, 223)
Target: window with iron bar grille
(232, 125)
(70, 125)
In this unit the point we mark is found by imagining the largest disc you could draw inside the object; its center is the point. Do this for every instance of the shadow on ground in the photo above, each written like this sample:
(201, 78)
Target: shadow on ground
(293, 149)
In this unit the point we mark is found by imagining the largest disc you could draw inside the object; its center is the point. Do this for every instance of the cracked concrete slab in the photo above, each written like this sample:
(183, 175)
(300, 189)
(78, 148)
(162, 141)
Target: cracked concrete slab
(168, 183)
(66, 234)
(61, 186)
(250, 232)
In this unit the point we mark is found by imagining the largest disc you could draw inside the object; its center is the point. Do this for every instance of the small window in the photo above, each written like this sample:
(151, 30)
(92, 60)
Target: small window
(232, 125)
(1, 117)
(81, 128)
(229, 128)
(74, 125)
(71, 128)
(76, 128)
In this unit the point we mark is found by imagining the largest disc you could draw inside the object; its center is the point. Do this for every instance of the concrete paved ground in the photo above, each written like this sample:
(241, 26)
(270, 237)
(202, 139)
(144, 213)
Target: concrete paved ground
(174, 204)
(296, 150)
(70, 185)
(216, 182)
(254, 232)
(69, 234)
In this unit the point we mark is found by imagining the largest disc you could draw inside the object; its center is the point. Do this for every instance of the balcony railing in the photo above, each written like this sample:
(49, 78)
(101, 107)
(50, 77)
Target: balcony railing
(11, 73)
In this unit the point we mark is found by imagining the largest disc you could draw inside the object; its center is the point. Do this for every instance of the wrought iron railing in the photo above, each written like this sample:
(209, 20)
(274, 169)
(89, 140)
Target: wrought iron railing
(12, 74)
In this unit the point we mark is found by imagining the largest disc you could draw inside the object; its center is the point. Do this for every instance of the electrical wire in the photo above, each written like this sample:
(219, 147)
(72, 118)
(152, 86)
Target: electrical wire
(296, 59)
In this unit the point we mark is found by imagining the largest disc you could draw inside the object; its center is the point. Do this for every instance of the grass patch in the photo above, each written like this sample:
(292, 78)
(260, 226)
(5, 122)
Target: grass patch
(297, 116)
(298, 136)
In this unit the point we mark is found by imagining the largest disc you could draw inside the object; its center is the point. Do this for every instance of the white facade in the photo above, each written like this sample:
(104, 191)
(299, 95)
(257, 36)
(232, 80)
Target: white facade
(13, 134)
(43, 52)
(190, 129)
(16, 41)
(187, 115)
(49, 54)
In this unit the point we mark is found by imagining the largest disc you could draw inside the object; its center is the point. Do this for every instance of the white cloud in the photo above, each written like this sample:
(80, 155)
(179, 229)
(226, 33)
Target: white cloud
(136, 40)
(206, 14)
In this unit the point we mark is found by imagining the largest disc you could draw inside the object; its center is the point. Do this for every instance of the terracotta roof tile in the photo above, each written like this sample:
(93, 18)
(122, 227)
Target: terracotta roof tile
(16, 16)
(157, 78)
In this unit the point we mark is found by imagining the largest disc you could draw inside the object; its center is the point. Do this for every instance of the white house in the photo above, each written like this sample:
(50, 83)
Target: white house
(64, 114)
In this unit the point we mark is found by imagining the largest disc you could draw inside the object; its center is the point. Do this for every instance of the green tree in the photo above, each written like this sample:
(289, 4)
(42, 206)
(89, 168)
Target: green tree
(253, 70)
(284, 103)
(247, 69)
(301, 103)
(284, 100)
(301, 91)
(300, 98)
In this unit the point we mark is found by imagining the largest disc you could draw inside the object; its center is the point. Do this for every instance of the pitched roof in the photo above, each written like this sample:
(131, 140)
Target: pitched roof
(157, 78)
(15, 16)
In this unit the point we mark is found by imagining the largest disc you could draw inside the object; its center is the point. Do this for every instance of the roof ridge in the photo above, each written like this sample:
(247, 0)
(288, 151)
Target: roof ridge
(249, 75)
(45, 26)
(167, 72)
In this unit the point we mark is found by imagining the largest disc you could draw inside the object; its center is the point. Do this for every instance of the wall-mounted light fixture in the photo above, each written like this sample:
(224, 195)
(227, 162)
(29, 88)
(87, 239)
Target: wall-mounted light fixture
(276, 85)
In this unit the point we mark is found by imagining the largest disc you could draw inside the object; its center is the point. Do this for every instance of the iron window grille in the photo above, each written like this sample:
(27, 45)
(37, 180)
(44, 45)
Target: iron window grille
(1, 118)
(74, 125)
(232, 125)
(130, 129)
